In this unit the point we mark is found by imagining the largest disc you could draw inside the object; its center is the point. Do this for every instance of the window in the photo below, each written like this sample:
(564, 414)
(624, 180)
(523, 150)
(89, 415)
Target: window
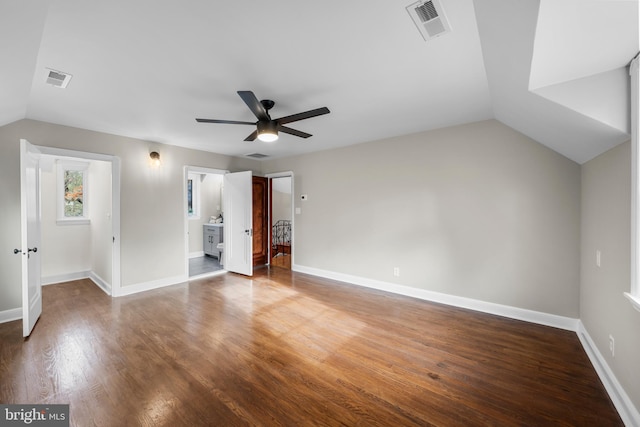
(72, 192)
(193, 196)
(634, 294)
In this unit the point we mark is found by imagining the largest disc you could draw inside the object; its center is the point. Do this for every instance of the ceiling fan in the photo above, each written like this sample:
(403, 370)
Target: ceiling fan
(268, 128)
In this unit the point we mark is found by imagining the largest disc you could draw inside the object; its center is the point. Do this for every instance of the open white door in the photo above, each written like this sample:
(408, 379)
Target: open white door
(30, 222)
(238, 220)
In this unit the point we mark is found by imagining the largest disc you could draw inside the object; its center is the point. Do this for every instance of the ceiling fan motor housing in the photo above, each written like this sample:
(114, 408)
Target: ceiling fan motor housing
(267, 130)
(267, 104)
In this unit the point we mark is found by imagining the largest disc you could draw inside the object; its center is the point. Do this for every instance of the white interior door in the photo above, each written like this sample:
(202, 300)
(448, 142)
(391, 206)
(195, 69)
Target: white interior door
(30, 222)
(238, 220)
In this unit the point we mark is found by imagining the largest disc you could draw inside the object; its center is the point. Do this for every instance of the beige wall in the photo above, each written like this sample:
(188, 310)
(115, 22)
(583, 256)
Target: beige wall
(152, 214)
(606, 219)
(477, 210)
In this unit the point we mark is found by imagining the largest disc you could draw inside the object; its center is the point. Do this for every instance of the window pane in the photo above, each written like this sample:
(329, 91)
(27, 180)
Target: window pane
(73, 196)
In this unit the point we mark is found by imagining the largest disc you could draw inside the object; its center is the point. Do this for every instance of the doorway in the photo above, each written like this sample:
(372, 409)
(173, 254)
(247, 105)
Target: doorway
(33, 159)
(104, 212)
(76, 228)
(281, 217)
(204, 210)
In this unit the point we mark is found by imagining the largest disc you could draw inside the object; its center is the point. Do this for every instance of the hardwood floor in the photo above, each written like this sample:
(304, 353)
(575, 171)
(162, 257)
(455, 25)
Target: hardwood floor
(292, 350)
(282, 261)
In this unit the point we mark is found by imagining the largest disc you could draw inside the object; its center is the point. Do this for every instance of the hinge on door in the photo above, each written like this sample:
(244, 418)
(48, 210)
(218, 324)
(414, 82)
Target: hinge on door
(114, 239)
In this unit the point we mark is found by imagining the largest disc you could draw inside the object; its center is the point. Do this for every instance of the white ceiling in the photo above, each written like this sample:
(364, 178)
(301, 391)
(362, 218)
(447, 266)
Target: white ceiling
(551, 69)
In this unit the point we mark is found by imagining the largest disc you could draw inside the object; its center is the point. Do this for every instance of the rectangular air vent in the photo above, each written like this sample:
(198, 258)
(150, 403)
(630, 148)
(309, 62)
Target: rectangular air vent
(257, 155)
(430, 19)
(58, 78)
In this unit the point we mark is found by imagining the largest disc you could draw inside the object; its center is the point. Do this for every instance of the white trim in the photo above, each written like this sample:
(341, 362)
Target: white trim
(100, 282)
(62, 166)
(148, 286)
(198, 254)
(209, 274)
(635, 301)
(279, 174)
(10, 315)
(67, 277)
(628, 412)
(73, 221)
(79, 275)
(546, 319)
(635, 181)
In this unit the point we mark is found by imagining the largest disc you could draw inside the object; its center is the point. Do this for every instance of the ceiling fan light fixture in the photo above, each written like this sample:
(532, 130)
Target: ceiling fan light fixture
(267, 131)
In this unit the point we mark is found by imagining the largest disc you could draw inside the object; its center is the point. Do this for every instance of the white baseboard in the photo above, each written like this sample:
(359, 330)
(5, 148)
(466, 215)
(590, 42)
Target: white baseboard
(196, 254)
(68, 277)
(628, 412)
(100, 282)
(546, 319)
(154, 284)
(11, 315)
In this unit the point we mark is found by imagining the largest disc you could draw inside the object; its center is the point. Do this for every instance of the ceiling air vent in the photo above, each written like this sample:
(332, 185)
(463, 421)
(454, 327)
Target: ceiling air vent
(257, 155)
(430, 19)
(58, 78)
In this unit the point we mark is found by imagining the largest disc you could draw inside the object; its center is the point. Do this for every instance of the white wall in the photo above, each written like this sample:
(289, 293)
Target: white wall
(479, 211)
(606, 226)
(152, 211)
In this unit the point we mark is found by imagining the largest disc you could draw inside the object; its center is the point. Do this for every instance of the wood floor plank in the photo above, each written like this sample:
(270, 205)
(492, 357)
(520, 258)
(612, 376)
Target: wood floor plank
(283, 349)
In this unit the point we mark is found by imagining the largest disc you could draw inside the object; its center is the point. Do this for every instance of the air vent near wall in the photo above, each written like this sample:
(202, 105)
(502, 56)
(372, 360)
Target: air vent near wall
(430, 18)
(257, 155)
(58, 78)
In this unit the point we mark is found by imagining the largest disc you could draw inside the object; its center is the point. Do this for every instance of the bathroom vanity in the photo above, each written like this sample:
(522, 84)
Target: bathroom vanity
(212, 236)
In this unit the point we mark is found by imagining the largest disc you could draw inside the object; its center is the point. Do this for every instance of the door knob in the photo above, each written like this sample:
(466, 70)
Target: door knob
(17, 251)
(32, 250)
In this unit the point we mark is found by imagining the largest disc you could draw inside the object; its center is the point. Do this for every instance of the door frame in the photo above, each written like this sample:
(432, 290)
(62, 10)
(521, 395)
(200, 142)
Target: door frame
(202, 170)
(116, 280)
(284, 174)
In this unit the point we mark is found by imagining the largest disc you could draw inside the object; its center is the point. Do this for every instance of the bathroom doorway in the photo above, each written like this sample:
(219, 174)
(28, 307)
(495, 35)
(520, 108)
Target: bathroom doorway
(204, 211)
(281, 219)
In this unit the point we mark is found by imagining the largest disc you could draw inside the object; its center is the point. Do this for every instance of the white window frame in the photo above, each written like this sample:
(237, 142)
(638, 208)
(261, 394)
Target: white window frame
(62, 167)
(634, 294)
(195, 195)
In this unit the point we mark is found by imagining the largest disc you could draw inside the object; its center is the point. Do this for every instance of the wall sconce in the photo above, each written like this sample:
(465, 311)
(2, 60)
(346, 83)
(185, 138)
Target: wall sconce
(155, 158)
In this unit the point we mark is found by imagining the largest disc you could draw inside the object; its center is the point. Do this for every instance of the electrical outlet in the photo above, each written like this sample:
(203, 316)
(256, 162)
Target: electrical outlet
(612, 346)
(396, 271)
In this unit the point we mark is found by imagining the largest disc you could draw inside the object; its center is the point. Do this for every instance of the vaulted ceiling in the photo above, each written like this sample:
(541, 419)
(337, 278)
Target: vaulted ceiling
(554, 70)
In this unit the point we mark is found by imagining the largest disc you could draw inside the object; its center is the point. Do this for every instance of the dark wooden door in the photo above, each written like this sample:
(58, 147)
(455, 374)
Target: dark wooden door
(260, 217)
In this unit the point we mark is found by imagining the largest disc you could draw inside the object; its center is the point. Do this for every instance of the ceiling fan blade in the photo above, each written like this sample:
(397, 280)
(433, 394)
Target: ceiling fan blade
(254, 105)
(294, 132)
(253, 136)
(229, 122)
(302, 116)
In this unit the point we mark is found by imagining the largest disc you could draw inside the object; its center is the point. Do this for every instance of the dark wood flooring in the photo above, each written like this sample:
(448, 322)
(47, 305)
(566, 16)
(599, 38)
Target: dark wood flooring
(287, 349)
